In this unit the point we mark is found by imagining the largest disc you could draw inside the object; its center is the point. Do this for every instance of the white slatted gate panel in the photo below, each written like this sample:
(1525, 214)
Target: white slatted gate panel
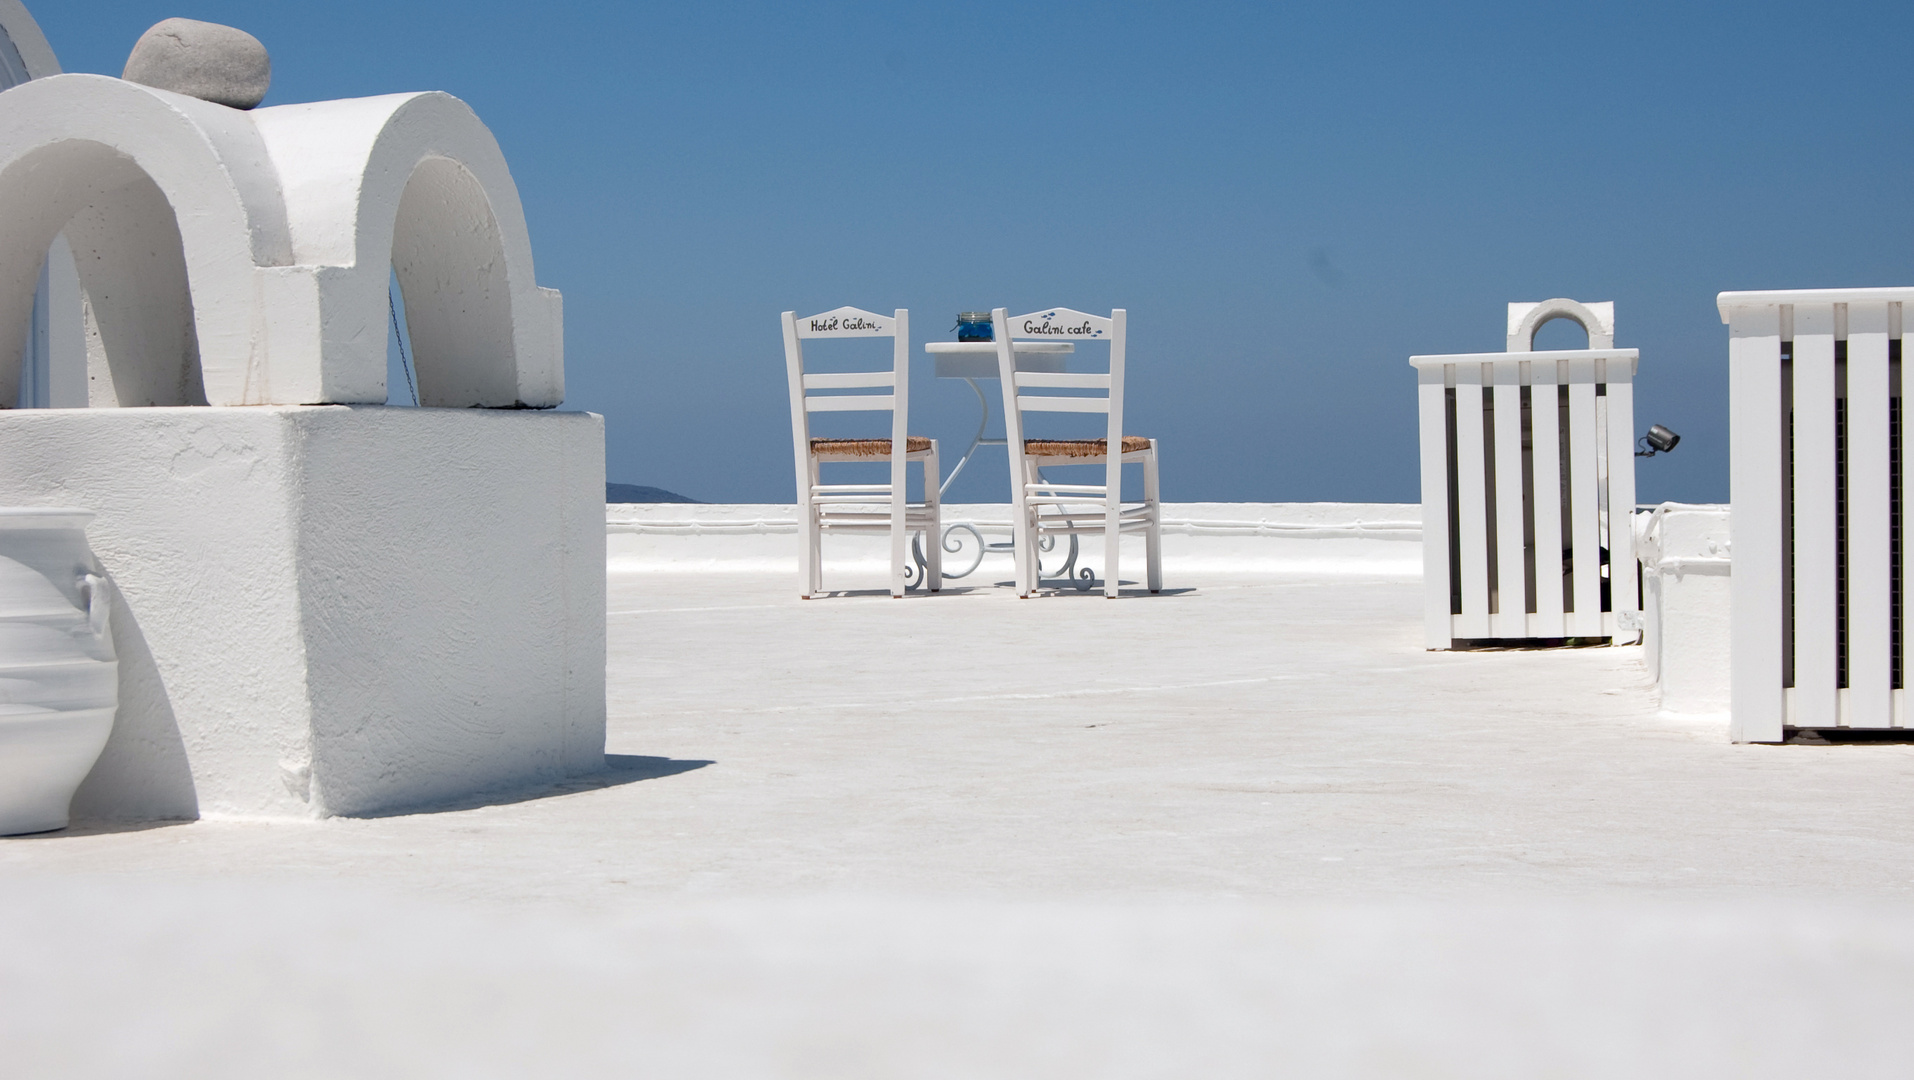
(1528, 483)
(1818, 475)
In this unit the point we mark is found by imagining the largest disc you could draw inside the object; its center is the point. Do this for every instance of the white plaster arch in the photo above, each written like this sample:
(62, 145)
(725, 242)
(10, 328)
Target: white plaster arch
(56, 352)
(415, 183)
(125, 164)
(1598, 319)
(25, 42)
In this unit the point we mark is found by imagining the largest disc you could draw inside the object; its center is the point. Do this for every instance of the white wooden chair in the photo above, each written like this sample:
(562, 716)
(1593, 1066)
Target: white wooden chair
(868, 508)
(1040, 507)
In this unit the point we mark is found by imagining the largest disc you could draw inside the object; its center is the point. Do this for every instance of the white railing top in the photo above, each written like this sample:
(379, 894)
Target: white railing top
(1684, 538)
(1732, 301)
(1633, 356)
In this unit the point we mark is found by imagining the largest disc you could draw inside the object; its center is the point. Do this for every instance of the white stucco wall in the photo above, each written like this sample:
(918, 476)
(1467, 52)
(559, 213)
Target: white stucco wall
(1365, 538)
(1686, 564)
(324, 610)
(334, 610)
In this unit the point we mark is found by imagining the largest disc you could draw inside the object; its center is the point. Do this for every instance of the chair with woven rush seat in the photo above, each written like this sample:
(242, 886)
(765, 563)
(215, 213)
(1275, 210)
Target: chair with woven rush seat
(1042, 508)
(854, 508)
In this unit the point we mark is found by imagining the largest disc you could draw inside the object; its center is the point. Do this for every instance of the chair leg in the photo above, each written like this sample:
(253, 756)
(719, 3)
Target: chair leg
(807, 531)
(817, 554)
(900, 550)
(900, 520)
(1153, 536)
(1018, 544)
(1029, 574)
(807, 549)
(934, 535)
(1026, 537)
(814, 538)
(1021, 540)
(1112, 522)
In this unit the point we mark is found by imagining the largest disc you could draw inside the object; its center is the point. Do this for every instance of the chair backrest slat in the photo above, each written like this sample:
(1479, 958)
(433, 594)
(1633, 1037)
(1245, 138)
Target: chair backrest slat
(1063, 380)
(848, 322)
(1066, 324)
(1030, 403)
(849, 380)
(851, 403)
(1063, 324)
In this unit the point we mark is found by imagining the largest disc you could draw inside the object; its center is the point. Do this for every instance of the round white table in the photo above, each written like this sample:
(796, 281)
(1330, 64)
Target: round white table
(971, 361)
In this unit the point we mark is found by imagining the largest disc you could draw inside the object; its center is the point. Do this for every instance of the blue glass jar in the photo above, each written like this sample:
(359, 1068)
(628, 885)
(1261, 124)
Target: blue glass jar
(974, 326)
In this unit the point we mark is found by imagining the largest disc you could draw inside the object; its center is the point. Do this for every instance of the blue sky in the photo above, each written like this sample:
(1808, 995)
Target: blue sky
(1290, 200)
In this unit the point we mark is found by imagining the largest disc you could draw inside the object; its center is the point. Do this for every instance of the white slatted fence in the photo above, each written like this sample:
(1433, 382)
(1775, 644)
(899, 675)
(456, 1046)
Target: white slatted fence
(1523, 455)
(1818, 474)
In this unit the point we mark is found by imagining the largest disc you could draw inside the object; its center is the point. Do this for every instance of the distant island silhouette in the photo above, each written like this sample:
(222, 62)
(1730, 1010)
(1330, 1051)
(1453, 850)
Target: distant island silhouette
(641, 493)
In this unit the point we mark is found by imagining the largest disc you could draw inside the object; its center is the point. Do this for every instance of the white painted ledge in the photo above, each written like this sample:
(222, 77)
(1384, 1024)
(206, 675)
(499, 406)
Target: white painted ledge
(1337, 538)
(1686, 562)
(1728, 303)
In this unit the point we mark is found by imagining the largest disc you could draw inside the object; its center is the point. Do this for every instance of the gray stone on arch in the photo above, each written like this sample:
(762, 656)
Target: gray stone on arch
(220, 64)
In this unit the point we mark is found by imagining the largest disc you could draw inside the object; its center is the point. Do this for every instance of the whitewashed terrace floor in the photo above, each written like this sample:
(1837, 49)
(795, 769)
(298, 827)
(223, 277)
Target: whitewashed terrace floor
(1246, 828)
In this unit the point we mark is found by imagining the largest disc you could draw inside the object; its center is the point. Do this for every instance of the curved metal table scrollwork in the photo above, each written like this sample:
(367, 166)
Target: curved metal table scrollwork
(971, 361)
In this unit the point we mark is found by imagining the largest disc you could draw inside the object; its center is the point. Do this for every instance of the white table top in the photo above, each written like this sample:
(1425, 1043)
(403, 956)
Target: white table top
(978, 359)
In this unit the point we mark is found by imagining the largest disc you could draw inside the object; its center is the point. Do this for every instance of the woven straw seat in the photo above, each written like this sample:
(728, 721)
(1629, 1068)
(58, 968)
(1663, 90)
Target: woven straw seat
(913, 444)
(1083, 448)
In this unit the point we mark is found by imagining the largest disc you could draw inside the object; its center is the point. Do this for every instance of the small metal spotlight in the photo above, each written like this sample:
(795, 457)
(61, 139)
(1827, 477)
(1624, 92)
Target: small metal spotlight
(1659, 440)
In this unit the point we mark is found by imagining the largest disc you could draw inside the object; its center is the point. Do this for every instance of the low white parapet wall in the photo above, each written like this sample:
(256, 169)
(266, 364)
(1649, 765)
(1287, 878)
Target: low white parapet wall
(333, 609)
(1330, 538)
(1685, 559)
(1684, 552)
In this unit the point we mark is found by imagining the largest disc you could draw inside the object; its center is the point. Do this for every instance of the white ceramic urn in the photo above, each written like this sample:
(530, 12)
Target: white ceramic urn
(59, 680)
